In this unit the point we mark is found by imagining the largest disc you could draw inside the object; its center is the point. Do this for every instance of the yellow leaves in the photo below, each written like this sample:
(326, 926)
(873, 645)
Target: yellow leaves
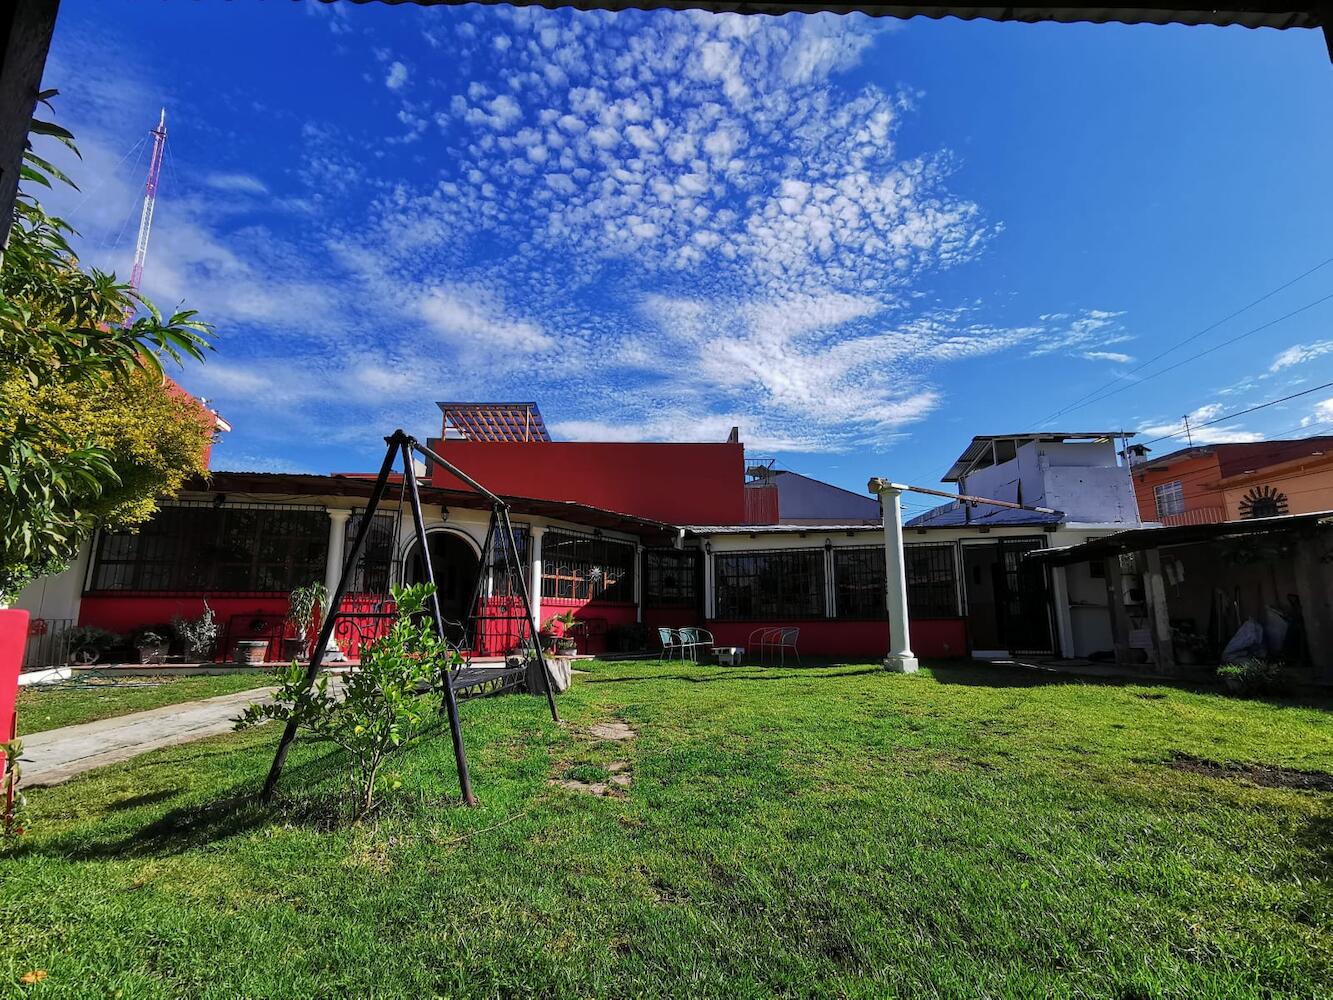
(35, 976)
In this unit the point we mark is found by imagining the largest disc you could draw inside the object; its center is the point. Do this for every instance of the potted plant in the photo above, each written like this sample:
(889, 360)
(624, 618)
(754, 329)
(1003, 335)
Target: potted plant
(151, 644)
(197, 635)
(557, 633)
(306, 608)
(85, 644)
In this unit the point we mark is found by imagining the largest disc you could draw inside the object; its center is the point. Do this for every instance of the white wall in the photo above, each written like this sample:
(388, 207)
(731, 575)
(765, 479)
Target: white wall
(57, 597)
(1082, 479)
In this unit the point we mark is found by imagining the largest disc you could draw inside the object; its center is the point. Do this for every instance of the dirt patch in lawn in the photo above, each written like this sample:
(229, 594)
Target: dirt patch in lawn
(1267, 775)
(593, 779)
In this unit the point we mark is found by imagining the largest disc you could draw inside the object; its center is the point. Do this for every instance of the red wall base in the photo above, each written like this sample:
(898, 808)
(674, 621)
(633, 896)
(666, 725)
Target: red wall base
(13, 641)
(932, 638)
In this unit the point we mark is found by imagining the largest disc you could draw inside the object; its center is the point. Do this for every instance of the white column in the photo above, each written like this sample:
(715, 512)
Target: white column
(535, 583)
(638, 584)
(333, 564)
(900, 658)
(1064, 620)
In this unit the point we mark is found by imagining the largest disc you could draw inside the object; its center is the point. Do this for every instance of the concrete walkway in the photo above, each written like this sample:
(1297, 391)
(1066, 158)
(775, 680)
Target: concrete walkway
(59, 754)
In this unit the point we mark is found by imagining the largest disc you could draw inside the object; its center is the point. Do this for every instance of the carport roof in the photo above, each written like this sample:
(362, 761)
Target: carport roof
(1138, 539)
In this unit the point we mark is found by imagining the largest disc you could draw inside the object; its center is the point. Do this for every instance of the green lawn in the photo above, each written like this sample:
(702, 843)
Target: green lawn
(86, 699)
(829, 831)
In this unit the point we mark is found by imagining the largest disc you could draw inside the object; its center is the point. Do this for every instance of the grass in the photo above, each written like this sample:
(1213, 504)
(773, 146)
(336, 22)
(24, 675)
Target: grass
(805, 832)
(44, 707)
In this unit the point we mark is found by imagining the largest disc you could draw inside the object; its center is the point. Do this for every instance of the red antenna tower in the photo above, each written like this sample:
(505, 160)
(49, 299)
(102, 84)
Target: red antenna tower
(149, 200)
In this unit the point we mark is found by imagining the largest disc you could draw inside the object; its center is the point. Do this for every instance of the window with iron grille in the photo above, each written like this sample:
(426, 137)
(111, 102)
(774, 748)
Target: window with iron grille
(770, 585)
(932, 581)
(587, 568)
(195, 548)
(670, 578)
(504, 576)
(1170, 498)
(375, 570)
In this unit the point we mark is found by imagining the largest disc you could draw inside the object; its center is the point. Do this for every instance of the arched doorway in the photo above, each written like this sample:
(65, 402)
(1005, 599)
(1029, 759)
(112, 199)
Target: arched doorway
(455, 565)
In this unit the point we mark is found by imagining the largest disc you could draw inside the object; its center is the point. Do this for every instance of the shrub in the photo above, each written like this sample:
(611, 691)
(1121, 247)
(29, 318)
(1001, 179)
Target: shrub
(1251, 677)
(378, 712)
(198, 635)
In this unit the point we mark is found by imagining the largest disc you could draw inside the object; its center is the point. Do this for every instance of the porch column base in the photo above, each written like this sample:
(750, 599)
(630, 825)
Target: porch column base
(900, 663)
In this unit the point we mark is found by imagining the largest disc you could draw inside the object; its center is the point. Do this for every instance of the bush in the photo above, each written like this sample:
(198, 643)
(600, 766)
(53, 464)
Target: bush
(379, 711)
(197, 635)
(1251, 677)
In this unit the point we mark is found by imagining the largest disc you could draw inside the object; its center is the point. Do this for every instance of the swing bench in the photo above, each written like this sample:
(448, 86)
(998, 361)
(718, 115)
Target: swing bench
(461, 680)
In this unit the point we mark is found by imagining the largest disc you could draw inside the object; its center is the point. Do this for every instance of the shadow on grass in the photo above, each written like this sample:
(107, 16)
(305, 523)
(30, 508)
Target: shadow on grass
(973, 674)
(767, 674)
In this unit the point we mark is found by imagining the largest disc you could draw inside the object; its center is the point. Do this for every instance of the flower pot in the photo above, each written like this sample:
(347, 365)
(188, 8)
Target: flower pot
(250, 651)
(293, 649)
(156, 653)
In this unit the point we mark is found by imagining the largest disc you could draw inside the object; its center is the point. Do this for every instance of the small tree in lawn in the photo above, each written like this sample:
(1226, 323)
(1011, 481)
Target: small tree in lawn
(380, 711)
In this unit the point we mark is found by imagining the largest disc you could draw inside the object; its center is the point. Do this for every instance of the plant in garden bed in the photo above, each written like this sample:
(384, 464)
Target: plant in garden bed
(12, 799)
(1251, 677)
(557, 629)
(380, 711)
(306, 608)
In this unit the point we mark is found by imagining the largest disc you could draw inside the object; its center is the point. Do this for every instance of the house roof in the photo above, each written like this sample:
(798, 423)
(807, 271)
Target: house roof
(1249, 15)
(956, 515)
(982, 442)
(1138, 539)
(495, 421)
(1239, 457)
(303, 484)
(774, 529)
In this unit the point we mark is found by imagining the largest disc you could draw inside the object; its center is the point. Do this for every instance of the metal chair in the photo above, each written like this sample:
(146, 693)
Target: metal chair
(775, 641)
(693, 639)
(670, 643)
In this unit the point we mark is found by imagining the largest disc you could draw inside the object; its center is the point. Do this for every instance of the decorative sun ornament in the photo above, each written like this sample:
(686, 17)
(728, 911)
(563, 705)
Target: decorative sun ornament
(1262, 501)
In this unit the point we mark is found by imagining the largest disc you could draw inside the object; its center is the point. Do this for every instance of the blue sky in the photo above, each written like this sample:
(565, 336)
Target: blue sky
(861, 241)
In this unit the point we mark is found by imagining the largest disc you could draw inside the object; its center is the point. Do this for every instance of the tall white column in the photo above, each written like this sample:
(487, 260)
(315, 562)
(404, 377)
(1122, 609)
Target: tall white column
(535, 582)
(333, 564)
(900, 657)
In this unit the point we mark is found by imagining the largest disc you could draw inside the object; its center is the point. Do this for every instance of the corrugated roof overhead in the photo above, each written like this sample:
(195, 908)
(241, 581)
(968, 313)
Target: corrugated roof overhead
(1250, 15)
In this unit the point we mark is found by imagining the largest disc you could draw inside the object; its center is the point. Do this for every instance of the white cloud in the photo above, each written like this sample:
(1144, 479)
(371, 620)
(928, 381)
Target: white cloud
(397, 77)
(1218, 434)
(472, 319)
(1115, 356)
(1299, 354)
(240, 183)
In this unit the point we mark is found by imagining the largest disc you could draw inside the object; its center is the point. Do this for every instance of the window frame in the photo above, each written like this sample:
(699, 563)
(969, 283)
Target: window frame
(817, 610)
(584, 554)
(919, 606)
(1174, 495)
(688, 581)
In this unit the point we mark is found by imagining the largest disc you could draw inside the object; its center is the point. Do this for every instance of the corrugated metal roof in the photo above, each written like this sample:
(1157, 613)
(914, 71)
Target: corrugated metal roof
(955, 515)
(774, 529)
(1251, 15)
(1138, 539)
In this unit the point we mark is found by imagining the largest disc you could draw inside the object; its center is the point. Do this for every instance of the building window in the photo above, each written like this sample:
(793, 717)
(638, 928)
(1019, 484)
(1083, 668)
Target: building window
(1170, 499)
(374, 571)
(505, 577)
(769, 586)
(587, 568)
(200, 548)
(671, 578)
(932, 581)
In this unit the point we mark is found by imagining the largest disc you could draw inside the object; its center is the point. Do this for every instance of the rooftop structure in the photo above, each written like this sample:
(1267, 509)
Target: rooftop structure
(493, 421)
(993, 449)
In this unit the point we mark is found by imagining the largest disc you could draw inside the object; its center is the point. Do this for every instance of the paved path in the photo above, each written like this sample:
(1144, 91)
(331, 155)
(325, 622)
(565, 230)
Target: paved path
(59, 754)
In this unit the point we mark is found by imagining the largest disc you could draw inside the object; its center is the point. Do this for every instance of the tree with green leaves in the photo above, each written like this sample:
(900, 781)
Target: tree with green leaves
(76, 346)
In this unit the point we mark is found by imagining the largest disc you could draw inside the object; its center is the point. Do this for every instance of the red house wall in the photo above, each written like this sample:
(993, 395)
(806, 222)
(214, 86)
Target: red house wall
(676, 483)
(933, 638)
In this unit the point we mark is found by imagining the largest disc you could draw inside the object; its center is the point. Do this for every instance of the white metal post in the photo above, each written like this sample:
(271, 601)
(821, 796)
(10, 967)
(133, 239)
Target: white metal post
(535, 587)
(333, 563)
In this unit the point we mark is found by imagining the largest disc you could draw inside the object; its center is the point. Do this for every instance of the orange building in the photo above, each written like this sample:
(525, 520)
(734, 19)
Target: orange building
(1233, 482)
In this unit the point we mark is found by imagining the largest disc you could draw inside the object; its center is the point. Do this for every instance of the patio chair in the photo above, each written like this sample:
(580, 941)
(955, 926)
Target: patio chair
(694, 639)
(775, 641)
(670, 643)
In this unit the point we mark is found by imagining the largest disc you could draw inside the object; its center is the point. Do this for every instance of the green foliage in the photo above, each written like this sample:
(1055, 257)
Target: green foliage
(15, 820)
(1252, 677)
(379, 711)
(198, 635)
(90, 431)
(302, 605)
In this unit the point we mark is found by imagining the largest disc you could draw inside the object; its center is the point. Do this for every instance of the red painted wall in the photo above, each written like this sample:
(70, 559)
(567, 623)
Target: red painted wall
(123, 614)
(676, 483)
(13, 641)
(600, 617)
(933, 638)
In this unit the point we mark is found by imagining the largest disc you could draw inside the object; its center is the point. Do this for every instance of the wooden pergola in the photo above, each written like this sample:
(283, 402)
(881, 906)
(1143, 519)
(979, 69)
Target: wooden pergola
(26, 27)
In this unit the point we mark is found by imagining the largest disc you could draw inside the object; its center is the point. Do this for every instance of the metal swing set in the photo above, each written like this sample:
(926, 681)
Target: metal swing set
(500, 535)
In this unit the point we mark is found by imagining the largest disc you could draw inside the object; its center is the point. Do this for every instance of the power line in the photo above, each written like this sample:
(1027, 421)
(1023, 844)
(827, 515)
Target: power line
(1241, 413)
(1083, 400)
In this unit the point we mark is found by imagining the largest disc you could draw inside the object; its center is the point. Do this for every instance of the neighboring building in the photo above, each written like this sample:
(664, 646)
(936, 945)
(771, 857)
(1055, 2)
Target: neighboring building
(1207, 484)
(628, 536)
(779, 496)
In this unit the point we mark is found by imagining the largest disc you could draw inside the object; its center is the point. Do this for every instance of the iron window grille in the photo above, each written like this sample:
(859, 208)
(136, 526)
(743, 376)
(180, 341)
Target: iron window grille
(379, 565)
(671, 578)
(505, 579)
(196, 548)
(587, 568)
(769, 585)
(1169, 498)
(932, 580)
